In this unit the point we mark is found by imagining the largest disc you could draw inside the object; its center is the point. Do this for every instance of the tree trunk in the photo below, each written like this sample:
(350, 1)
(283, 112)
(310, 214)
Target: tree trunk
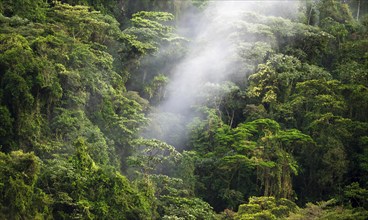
(358, 10)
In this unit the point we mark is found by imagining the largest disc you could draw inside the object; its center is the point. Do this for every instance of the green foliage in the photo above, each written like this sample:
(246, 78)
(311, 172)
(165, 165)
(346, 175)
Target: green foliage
(85, 25)
(69, 125)
(30, 9)
(276, 80)
(356, 196)
(151, 45)
(148, 31)
(305, 42)
(174, 201)
(156, 88)
(258, 149)
(335, 10)
(334, 28)
(5, 128)
(328, 210)
(187, 208)
(353, 73)
(82, 189)
(289, 123)
(265, 208)
(20, 197)
(60, 96)
(24, 77)
(151, 153)
(105, 6)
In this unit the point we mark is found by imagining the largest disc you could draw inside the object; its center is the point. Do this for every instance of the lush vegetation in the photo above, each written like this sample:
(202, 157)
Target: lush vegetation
(286, 137)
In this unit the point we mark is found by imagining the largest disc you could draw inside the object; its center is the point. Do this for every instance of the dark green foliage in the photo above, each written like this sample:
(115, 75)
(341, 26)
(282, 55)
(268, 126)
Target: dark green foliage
(30, 9)
(175, 201)
(335, 10)
(257, 150)
(5, 128)
(152, 153)
(328, 210)
(143, 57)
(60, 96)
(355, 195)
(82, 189)
(20, 197)
(288, 125)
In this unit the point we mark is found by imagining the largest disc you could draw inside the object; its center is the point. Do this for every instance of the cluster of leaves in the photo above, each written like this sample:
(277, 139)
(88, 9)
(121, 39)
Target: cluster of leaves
(258, 153)
(290, 124)
(63, 97)
(265, 208)
(297, 127)
(19, 194)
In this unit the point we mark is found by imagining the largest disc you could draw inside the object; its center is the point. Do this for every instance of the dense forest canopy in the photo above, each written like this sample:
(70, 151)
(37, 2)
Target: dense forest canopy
(193, 109)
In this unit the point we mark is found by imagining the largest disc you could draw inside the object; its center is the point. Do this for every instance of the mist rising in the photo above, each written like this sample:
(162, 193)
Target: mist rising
(212, 57)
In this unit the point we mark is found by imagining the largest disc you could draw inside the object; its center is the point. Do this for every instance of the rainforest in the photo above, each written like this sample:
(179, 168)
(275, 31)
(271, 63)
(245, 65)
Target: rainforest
(184, 109)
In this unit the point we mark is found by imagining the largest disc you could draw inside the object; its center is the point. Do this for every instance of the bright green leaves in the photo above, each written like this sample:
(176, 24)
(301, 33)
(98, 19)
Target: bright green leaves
(19, 63)
(175, 202)
(151, 154)
(63, 72)
(20, 198)
(82, 159)
(13, 43)
(293, 137)
(186, 208)
(152, 21)
(275, 80)
(272, 155)
(265, 208)
(81, 188)
(31, 9)
(233, 162)
(24, 77)
(59, 87)
(257, 149)
(151, 48)
(148, 31)
(83, 25)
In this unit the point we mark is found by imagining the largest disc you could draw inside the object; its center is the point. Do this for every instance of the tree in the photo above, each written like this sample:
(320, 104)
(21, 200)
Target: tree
(257, 150)
(82, 189)
(152, 45)
(265, 208)
(276, 80)
(334, 9)
(31, 9)
(20, 197)
(149, 154)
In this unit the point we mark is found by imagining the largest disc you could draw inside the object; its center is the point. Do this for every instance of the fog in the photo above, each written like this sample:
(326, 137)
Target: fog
(212, 57)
